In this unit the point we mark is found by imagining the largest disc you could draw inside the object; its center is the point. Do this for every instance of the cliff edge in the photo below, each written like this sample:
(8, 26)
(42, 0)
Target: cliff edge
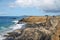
(37, 28)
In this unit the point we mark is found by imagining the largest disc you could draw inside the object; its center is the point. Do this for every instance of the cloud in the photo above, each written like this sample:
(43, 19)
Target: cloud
(53, 11)
(46, 5)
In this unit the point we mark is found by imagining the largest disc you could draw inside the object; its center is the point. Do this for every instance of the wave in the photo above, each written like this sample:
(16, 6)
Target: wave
(17, 26)
(1, 37)
(15, 21)
(10, 29)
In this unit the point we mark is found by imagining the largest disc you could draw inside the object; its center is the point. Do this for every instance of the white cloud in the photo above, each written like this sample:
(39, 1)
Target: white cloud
(42, 4)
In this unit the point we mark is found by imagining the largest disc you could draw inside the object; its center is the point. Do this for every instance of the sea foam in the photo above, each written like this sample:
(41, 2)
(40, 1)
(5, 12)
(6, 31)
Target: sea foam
(10, 29)
(17, 26)
(15, 21)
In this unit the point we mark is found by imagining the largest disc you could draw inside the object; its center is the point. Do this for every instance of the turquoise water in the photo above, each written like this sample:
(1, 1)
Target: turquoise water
(7, 24)
(6, 21)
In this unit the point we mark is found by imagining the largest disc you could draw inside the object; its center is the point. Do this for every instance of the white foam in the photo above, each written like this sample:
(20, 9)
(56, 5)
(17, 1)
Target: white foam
(17, 26)
(15, 21)
(1, 37)
(10, 29)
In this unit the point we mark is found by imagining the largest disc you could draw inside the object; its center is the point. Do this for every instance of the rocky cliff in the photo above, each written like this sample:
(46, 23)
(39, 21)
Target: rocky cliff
(37, 28)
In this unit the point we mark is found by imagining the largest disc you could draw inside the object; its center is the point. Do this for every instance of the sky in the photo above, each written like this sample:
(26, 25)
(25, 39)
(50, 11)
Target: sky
(29, 7)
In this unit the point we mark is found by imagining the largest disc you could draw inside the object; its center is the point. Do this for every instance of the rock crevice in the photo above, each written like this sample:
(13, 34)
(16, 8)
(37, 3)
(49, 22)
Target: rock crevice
(36, 28)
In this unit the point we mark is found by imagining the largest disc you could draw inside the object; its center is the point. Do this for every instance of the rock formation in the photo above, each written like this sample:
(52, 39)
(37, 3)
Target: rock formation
(36, 28)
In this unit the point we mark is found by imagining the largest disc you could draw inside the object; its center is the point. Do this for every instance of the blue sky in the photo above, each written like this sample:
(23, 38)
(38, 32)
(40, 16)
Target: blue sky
(25, 7)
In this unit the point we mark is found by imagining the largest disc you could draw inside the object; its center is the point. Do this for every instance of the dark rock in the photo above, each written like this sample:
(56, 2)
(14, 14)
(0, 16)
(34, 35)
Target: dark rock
(20, 21)
(13, 34)
(9, 38)
(6, 35)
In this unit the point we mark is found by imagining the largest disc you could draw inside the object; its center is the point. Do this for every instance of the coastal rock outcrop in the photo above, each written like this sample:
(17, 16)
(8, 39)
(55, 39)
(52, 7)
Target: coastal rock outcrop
(36, 28)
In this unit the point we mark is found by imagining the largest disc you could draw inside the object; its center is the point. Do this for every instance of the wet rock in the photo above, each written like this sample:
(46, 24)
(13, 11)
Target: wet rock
(13, 34)
(6, 35)
(9, 38)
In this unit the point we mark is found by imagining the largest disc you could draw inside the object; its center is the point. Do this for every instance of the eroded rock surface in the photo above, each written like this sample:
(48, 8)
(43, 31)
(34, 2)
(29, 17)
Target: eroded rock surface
(37, 28)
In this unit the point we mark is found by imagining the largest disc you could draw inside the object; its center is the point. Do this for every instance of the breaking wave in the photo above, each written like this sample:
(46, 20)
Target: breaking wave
(10, 29)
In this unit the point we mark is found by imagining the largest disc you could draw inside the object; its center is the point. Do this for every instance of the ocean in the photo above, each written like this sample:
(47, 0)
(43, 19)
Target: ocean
(8, 24)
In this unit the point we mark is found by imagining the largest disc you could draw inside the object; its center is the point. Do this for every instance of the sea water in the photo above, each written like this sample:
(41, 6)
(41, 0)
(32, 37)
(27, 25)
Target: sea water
(9, 23)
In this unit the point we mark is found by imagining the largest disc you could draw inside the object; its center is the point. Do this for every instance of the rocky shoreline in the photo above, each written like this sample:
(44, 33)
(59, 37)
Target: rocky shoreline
(36, 28)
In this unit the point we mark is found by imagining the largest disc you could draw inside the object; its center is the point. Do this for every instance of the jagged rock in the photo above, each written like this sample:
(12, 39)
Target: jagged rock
(36, 29)
(9, 38)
